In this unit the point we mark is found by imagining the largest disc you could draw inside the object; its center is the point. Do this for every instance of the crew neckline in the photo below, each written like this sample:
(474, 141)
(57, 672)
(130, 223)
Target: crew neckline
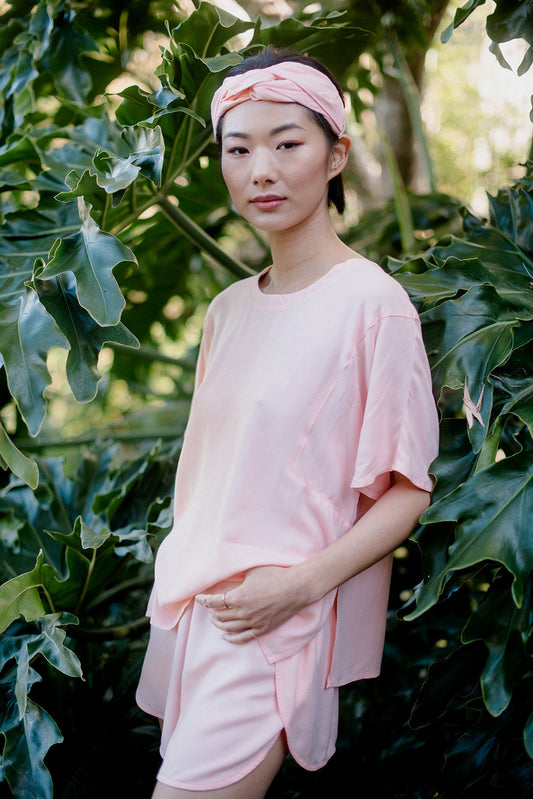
(291, 297)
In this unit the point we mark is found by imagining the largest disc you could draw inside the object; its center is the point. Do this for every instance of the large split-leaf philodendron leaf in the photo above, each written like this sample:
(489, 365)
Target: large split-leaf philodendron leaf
(208, 30)
(492, 512)
(15, 460)
(91, 255)
(27, 334)
(28, 729)
(502, 627)
(85, 336)
(22, 596)
(468, 337)
(114, 159)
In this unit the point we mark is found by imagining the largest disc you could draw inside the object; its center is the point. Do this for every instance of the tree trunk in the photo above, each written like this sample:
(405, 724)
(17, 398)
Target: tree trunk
(392, 112)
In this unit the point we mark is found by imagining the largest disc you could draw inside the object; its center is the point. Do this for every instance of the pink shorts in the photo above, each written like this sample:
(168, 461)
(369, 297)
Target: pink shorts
(217, 701)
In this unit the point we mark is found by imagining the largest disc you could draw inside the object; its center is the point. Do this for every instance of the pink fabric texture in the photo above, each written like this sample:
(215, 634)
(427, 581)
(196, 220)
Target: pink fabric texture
(219, 708)
(303, 402)
(288, 82)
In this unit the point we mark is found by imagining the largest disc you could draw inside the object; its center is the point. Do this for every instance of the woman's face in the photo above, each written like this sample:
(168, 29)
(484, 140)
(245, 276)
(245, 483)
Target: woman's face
(276, 163)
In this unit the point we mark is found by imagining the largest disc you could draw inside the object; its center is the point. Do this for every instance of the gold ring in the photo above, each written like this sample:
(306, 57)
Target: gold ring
(253, 634)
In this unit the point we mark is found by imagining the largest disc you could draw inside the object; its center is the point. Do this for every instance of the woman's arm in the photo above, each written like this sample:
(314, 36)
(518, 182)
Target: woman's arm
(384, 526)
(270, 595)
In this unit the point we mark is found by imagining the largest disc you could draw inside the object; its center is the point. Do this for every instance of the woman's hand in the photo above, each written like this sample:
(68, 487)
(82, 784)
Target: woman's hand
(267, 597)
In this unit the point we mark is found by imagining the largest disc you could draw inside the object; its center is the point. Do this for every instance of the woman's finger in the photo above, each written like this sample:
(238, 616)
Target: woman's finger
(229, 625)
(243, 637)
(213, 601)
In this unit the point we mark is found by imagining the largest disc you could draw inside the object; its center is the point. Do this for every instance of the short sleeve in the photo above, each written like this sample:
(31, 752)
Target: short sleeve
(399, 430)
(203, 354)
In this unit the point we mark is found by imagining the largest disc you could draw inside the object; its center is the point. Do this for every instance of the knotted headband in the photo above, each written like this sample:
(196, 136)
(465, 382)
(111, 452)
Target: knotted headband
(287, 82)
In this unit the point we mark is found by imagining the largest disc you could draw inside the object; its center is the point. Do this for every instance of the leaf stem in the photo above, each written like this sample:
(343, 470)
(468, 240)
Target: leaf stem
(184, 163)
(150, 354)
(102, 435)
(104, 212)
(48, 598)
(87, 581)
(116, 633)
(487, 454)
(202, 240)
(117, 590)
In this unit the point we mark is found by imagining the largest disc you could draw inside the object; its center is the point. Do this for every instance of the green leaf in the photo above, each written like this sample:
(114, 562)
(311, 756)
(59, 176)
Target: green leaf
(500, 625)
(28, 730)
(67, 43)
(85, 336)
(509, 265)
(511, 210)
(437, 284)
(29, 234)
(23, 514)
(468, 337)
(461, 15)
(90, 539)
(16, 461)
(27, 333)
(125, 494)
(209, 28)
(89, 566)
(454, 675)
(26, 745)
(87, 187)
(492, 511)
(22, 596)
(147, 148)
(91, 255)
(512, 20)
(47, 638)
(19, 151)
(141, 106)
(328, 39)
(455, 460)
(521, 402)
(20, 60)
(462, 269)
(116, 164)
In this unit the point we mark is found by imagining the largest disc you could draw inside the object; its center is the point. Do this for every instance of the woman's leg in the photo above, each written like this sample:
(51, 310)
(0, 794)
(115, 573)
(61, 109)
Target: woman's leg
(253, 786)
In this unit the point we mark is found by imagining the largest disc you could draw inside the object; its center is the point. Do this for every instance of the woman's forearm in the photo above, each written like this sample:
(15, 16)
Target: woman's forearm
(270, 595)
(386, 524)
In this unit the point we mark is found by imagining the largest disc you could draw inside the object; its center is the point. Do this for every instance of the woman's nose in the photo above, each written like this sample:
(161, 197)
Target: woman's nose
(263, 169)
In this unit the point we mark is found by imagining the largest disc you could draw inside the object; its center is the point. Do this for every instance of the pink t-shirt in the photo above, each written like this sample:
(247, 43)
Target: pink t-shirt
(303, 401)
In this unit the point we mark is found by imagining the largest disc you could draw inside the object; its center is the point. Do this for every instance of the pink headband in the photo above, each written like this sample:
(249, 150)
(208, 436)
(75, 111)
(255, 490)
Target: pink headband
(287, 82)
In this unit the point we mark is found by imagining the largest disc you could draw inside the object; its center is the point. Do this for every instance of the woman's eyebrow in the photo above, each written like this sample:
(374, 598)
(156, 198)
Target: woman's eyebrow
(235, 134)
(287, 126)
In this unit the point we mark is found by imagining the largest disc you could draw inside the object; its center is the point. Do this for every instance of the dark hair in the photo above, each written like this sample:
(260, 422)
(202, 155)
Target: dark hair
(268, 58)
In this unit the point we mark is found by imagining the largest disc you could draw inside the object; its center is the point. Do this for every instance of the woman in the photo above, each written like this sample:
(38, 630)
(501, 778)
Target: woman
(304, 465)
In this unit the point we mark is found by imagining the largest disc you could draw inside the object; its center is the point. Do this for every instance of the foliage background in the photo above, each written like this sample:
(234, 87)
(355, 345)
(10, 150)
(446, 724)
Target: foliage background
(115, 234)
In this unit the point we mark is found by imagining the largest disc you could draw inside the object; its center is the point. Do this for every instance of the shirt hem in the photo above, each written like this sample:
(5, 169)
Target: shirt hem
(337, 682)
(146, 709)
(365, 483)
(232, 780)
(286, 726)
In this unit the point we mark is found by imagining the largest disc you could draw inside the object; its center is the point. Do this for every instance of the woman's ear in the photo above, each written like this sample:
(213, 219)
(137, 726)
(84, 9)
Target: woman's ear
(339, 156)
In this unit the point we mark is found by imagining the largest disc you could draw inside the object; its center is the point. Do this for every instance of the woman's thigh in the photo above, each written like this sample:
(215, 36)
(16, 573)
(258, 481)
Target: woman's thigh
(253, 786)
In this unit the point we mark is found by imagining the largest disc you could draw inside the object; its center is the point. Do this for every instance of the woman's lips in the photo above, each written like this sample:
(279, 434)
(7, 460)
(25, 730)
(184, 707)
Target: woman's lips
(267, 202)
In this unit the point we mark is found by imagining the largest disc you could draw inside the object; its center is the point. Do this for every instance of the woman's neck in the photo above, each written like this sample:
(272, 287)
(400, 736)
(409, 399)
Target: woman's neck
(303, 255)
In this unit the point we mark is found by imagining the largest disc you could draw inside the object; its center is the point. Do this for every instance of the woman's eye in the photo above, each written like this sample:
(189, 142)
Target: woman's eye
(288, 145)
(237, 151)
